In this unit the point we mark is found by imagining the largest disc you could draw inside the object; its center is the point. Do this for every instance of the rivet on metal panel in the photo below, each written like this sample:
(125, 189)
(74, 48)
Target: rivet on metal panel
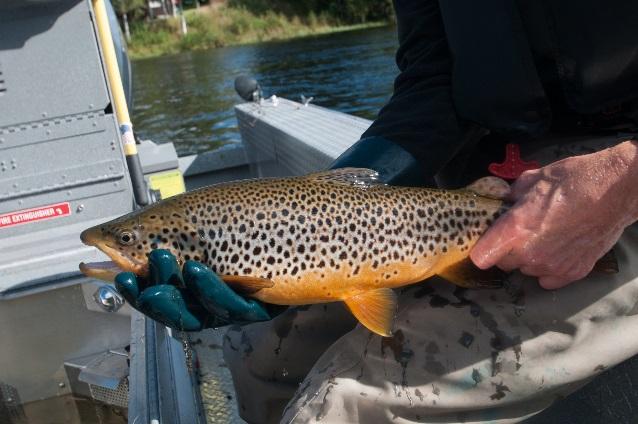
(94, 124)
(48, 132)
(1, 140)
(15, 185)
(68, 193)
(91, 106)
(80, 208)
(61, 384)
(63, 176)
(44, 114)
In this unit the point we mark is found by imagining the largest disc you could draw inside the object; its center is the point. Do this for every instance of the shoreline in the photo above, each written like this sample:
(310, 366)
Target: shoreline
(228, 27)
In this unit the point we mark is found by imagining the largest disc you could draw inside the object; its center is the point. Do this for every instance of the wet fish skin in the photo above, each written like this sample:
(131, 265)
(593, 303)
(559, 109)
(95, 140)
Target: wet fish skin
(332, 236)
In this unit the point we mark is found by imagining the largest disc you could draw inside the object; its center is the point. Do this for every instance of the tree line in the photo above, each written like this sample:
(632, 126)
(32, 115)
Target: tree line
(342, 11)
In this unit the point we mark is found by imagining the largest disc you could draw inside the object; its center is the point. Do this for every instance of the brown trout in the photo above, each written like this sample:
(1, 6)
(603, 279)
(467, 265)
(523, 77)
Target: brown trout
(332, 236)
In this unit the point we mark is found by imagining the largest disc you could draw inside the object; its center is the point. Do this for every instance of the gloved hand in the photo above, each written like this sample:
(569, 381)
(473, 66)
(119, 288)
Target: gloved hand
(189, 299)
(394, 164)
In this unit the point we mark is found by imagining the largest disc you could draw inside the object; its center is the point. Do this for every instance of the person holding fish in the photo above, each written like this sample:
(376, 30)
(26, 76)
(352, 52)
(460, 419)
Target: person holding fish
(530, 319)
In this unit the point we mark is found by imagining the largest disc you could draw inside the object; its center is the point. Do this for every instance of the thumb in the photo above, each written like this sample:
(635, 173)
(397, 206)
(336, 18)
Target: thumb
(496, 243)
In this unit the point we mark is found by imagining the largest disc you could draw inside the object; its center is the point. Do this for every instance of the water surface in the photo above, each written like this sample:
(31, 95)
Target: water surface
(188, 98)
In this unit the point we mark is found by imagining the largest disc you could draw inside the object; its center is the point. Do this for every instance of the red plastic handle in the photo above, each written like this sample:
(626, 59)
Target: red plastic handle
(513, 166)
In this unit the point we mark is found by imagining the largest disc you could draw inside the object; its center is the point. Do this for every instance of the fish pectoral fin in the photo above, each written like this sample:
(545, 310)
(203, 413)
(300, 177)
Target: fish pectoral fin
(467, 275)
(375, 309)
(493, 187)
(245, 284)
(358, 177)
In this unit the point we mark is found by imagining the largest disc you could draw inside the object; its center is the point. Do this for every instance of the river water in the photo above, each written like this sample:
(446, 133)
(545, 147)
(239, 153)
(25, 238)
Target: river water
(188, 98)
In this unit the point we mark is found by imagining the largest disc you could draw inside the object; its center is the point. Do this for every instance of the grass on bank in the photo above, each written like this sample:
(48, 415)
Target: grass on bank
(223, 26)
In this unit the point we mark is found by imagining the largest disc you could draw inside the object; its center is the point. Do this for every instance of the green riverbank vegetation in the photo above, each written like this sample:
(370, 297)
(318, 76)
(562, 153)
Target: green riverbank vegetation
(246, 21)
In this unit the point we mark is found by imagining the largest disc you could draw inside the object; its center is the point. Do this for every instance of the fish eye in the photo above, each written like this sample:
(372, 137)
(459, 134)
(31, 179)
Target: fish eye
(126, 237)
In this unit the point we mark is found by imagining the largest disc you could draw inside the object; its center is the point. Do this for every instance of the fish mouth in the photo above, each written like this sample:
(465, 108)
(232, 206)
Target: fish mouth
(107, 270)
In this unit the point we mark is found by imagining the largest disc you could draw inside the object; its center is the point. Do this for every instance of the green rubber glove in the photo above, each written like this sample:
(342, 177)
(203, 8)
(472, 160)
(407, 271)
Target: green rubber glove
(189, 299)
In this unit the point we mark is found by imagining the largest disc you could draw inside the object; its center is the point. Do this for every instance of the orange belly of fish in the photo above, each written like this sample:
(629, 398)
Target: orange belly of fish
(321, 286)
(330, 285)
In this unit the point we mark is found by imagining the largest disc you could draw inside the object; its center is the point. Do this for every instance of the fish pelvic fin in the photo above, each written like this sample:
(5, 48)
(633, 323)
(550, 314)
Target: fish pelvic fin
(467, 275)
(492, 187)
(243, 284)
(375, 309)
(357, 177)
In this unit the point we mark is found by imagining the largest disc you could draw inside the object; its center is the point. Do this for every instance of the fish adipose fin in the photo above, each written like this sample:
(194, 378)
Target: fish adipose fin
(493, 187)
(247, 285)
(360, 177)
(375, 309)
(467, 275)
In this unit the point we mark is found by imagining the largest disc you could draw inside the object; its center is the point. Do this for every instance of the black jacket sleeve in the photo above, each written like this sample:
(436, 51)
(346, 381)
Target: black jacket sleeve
(420, 116)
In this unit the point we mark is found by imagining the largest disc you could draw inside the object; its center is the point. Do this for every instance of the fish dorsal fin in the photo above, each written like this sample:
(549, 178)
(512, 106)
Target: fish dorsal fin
(375, 309)
(467, 275)
(493, 187)
(244, 284)
(360, 177)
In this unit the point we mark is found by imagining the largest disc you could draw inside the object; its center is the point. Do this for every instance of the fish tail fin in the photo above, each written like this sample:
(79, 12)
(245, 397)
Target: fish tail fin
(375, 309)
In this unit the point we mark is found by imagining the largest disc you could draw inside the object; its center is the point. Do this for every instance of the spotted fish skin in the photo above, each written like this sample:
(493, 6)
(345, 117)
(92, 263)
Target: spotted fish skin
(318, 238)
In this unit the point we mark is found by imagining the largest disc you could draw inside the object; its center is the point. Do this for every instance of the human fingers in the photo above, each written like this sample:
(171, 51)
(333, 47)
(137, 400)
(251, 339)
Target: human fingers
(577, 272)
(497, 242)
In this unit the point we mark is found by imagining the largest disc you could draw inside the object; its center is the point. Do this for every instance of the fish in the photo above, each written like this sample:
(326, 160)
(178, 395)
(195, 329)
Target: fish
(338, 235)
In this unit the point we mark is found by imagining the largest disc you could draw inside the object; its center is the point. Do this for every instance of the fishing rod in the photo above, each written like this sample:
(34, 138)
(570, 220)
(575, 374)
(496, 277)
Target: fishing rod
(140, 190)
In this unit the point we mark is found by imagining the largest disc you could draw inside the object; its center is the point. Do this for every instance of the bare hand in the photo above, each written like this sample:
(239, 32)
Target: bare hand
(565, 217)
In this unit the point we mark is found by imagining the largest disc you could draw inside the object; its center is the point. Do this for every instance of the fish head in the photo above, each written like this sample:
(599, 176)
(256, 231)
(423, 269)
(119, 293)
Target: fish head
(128, 240)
